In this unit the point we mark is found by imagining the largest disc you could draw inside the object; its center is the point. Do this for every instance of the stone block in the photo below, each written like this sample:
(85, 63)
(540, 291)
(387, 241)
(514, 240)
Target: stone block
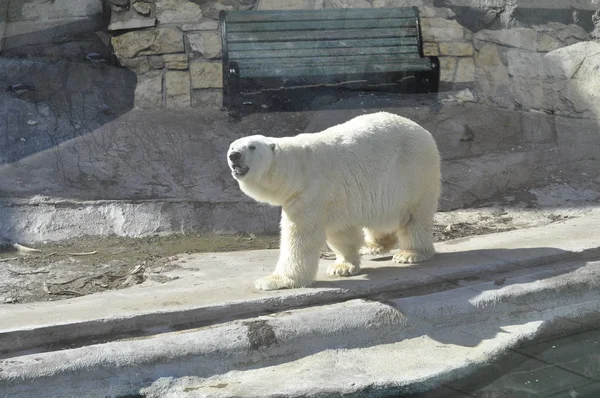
(148, 92)
(177, 11)
(573, 32)
(468, 35)
(207, 98)
(431, 49)
(447, 69)
(476, 18)
(538, 128)
(433, 12)
(156, 61)
(286, 4)
(206, 74)
(440, 30)
(523, 38)
(488, 55)
(465, 71)
(547, 43)
(208, 24)
(145, 8)
(211, 9)
(148, 42)
(177, 93)
(139, 64)
(397, 3)
(346, 4)
(534, 93)
(175, 61)
(525, 63)
(491, 76)
(468, 130)
(578, 139)
(206, 43)
(456, 49)
(130, 19)
(116, 8)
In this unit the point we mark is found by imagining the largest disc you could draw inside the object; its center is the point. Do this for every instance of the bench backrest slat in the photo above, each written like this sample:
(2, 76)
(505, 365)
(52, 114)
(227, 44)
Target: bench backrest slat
(407, 64)
(291, 26)
(354, 59)
(325, 52)
(301, 35)
(319, 15)
(313, 44)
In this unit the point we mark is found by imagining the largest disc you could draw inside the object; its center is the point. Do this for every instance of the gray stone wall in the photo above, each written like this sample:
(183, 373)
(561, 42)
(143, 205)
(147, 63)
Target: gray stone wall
(174, 45)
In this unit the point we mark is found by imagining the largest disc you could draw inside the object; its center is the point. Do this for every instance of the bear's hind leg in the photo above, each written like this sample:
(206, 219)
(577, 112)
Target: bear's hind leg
(379, 241)
(346, 246)
(416, 239)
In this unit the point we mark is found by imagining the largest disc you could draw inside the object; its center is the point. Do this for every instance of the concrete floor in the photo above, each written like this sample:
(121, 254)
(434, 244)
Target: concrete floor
(391, 330)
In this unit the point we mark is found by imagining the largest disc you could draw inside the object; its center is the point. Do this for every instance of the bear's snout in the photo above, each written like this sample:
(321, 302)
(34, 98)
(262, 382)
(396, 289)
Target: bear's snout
(235, 156)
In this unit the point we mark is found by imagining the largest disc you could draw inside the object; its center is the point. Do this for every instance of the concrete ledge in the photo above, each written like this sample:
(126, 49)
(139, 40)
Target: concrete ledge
(218, 287)
(466, 320)
(41, 219)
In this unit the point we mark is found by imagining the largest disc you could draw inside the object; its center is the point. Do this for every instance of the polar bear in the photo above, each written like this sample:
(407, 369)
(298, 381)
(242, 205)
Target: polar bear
(363, 186)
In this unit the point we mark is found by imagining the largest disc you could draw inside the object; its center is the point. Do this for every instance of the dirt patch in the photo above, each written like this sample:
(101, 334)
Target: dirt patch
(461, 229)
(87, 265)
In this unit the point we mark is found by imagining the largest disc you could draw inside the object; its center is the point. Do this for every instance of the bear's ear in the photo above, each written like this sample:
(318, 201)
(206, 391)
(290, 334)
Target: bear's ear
(272, 146)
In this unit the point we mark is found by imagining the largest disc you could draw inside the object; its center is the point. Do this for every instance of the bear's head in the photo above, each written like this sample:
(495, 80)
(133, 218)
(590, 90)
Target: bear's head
(249, 158)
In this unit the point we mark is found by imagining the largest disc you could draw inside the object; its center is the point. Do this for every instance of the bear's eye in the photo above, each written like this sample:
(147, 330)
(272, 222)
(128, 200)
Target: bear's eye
(252, 147)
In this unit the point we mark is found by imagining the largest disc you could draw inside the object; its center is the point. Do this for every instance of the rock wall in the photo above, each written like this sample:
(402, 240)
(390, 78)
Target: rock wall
(174, 45)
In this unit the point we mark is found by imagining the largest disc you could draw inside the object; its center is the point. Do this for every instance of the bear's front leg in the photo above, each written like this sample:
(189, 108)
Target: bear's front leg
(301, 241)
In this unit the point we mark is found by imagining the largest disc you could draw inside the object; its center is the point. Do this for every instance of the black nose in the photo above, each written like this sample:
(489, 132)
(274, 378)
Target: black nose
(235, 156)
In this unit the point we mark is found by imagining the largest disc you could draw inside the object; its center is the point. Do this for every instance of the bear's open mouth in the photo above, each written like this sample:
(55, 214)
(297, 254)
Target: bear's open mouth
(238, 170)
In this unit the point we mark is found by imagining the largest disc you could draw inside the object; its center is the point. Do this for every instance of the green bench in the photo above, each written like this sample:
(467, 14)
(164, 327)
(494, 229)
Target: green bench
(272, 59)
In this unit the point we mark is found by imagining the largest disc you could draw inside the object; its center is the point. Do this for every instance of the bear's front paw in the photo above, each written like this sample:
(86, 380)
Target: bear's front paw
(410, 257)
(273, 282)
(343, 269)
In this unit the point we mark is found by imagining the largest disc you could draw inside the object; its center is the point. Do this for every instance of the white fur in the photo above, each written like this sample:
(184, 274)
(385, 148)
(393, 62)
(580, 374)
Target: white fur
(378, 172)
